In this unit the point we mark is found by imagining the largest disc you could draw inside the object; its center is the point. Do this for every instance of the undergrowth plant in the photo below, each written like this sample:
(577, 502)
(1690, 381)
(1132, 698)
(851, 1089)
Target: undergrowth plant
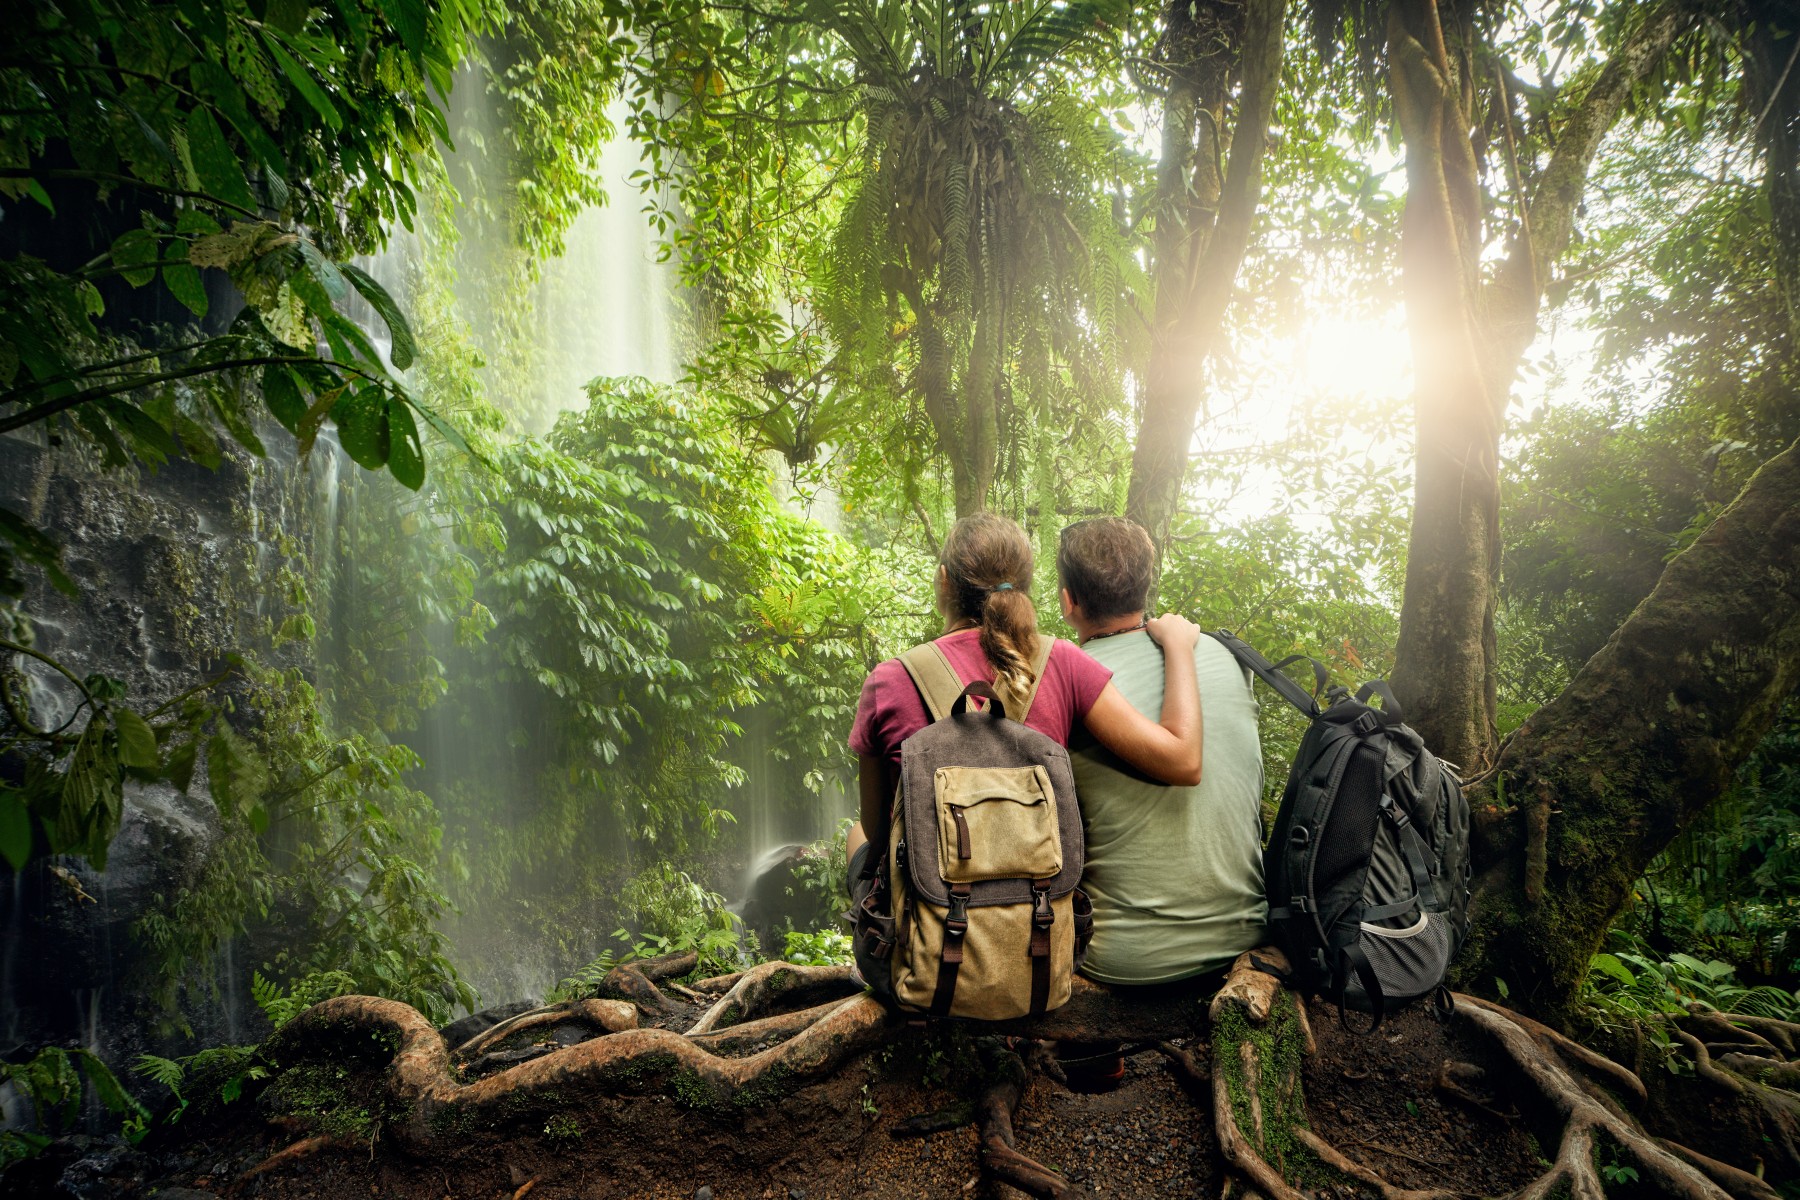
(55, 1082)
(673, 914)
(819, 948)
(1633, 986)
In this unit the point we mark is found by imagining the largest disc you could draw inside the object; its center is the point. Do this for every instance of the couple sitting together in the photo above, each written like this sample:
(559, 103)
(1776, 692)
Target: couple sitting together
(1161, 727)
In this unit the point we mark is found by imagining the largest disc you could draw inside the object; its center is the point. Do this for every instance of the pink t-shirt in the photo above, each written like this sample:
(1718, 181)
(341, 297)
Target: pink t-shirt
(891, 709)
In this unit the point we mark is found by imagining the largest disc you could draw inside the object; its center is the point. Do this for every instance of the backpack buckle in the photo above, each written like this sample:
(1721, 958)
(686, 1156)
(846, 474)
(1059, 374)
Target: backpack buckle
(1041, 914)
(957, 922)
(1366, 723)
(1393, 812)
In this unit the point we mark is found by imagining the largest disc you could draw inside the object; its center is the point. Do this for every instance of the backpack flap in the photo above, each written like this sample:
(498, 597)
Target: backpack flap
(989, 739)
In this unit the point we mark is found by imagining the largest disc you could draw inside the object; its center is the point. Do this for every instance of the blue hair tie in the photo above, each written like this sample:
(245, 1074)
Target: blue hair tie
(1001, 587)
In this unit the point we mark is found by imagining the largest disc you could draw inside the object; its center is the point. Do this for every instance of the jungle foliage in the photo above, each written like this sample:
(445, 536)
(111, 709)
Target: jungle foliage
(534, 679)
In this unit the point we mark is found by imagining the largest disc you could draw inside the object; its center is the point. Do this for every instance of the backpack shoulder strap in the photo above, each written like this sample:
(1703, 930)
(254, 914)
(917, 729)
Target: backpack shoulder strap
(1040, 659)
(1270, 673)
(935, 678)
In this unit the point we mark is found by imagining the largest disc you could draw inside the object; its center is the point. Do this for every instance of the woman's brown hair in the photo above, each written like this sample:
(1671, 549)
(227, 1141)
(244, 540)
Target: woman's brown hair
(987, 564)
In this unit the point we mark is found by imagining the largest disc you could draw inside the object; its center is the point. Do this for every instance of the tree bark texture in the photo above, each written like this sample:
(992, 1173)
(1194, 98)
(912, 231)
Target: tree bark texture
(1468, 341)
(1205, 207)
(1772, 73)
(1595, 784)
(1442, 673)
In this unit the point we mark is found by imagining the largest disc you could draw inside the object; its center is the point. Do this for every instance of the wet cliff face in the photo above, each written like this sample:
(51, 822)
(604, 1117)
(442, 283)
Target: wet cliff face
(167, 565)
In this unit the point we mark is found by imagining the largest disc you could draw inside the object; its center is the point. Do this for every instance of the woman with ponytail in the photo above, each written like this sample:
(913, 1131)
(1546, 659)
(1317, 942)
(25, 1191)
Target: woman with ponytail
(990, 633)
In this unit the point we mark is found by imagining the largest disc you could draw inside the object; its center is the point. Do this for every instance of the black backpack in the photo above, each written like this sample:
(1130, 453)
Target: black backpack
(1367, 868)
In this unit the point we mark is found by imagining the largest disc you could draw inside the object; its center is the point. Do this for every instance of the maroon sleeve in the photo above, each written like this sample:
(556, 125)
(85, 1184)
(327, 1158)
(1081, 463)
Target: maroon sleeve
(862, 729)
(1087, 678)
(876, 717)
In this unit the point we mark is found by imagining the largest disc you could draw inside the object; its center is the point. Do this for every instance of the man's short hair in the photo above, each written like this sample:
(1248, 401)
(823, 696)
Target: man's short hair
(1106, 563)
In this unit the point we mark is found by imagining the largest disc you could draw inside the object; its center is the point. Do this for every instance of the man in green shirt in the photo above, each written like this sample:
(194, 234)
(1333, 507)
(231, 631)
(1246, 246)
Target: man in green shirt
(1175, 873)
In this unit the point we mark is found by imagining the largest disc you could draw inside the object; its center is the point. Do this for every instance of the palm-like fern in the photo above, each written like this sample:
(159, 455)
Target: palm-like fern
(977, 232)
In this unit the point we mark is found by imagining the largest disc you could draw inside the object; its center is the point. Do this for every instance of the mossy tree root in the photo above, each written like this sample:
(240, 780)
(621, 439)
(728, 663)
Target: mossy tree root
(762, 987)
(612, 1016)
(1256, 1096)
(1592, 1121)
(434, 1104)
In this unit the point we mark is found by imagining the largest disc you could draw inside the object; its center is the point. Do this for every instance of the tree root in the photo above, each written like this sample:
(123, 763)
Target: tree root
(636, 982)
(304, 1148)
(1759, 1083)
(637, 1061)
(1741, 1184)
(741, 1056)
(1784, 1035)
(1243, 1005)
(1539, 1053)
(760, 1035)
(761, 986)
(1000, 1157)
(612, 1016)
(1334, 1158)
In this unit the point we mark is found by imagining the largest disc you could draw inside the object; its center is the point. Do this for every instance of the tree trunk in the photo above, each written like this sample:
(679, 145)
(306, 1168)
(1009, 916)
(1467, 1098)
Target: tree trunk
(1597, 783)
(1772, 71)
(1204, 211)
(1468, 341)
(1442, 674)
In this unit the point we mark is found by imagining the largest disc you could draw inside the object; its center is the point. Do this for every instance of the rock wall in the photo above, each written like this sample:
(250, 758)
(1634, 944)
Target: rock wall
(169, 565)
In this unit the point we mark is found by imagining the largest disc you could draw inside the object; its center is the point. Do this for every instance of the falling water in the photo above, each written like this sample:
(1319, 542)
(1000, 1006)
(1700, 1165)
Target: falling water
(607, 307)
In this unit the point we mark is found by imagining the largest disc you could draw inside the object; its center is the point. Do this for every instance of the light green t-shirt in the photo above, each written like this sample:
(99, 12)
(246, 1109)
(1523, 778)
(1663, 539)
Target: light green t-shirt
(1175, 873)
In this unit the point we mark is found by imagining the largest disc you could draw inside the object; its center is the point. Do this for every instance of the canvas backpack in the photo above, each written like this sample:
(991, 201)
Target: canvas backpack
(974, 912)
(1367, 867)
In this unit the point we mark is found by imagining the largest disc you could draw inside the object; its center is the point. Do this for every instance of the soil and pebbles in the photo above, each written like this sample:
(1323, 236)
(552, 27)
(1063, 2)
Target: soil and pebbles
(1373, 1097)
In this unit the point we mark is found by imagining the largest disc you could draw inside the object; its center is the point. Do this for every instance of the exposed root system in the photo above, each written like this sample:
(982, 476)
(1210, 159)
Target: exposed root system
(771, 1030)
(762, 988)
(610, 1016)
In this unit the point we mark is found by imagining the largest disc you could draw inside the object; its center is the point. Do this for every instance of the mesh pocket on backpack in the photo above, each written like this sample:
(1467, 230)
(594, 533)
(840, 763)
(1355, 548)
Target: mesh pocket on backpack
(1407, 962)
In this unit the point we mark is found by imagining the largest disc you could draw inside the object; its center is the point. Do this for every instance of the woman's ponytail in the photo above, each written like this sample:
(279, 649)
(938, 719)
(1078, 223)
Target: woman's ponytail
(987, 563)
(1008, 637)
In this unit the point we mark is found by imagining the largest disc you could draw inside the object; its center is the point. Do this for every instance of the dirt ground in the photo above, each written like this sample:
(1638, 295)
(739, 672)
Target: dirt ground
(1372, 1096)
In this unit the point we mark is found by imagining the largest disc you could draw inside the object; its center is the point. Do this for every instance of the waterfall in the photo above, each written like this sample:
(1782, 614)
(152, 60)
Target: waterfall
(606, 307)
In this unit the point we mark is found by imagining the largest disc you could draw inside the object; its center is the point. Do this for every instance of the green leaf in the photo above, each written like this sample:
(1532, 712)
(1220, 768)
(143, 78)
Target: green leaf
(233, 773)
(324, 270)
(15, 829)
(363, 429)
(179, 769)
(36, 548)
(92, 797)
(403, 349)
(406, 458)
(185, 284)
(444, 429)
(304, 83)
(228, 404)
(282, 395)
(137, 742)
(408, 17)
(107, 1087)
(152, 443)
(218, 168)
(134, 253)
(1608, 964)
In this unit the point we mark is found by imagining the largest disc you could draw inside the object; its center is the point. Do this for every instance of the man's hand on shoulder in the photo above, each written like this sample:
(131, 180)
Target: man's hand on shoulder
(1172, 631)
